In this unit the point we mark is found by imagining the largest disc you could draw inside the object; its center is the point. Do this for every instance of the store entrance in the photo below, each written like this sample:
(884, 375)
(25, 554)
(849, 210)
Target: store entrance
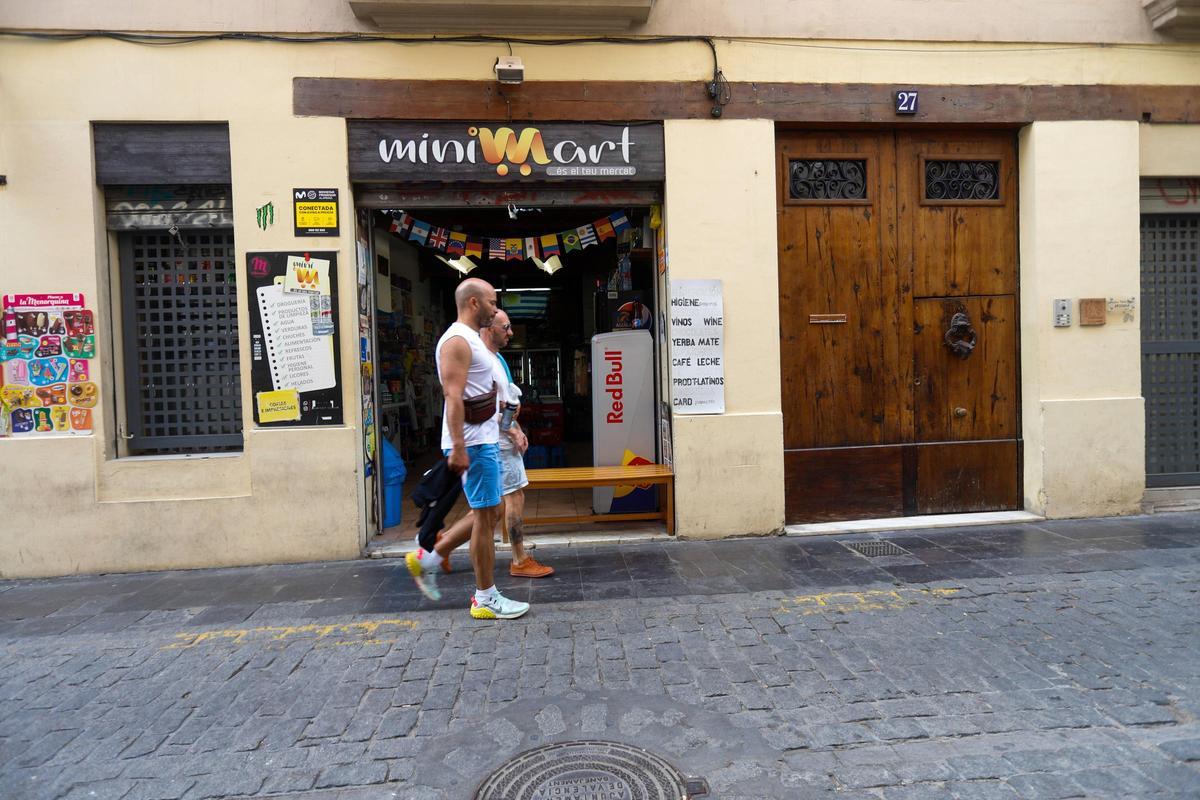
(564, 276)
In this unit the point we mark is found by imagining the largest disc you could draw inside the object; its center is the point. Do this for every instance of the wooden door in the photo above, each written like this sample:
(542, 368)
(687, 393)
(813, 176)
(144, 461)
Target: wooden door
(897, 299)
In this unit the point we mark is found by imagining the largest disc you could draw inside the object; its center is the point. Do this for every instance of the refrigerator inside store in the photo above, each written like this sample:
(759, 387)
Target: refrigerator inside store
(623, 415)
(538, 371)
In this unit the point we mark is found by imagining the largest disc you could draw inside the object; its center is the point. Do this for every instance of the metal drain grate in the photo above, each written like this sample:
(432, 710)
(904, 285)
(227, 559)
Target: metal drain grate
(875, 549)
(589, 769)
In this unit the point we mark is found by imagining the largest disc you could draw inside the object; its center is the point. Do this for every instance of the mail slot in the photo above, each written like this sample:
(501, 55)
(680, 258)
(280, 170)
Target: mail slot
(826, 319)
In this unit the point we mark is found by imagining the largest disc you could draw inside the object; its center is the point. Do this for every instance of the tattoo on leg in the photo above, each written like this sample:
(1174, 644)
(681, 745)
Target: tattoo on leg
(515, 532)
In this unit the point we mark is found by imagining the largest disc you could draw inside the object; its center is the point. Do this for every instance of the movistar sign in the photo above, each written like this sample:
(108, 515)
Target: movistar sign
(510, 153)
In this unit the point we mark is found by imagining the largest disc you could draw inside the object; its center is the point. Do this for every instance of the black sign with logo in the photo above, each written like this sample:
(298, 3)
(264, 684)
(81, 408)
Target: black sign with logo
(295, 366)
(316, 211)
(506, 153)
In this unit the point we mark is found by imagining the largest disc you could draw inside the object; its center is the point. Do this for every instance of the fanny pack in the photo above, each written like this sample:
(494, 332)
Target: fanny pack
(478, 410)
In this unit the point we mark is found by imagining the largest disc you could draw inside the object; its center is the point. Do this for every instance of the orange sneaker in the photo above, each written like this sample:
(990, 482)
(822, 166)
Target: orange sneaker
(530, 568)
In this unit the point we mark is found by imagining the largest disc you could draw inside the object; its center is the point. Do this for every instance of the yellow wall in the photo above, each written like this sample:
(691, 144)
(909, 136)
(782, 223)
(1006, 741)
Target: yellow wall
(256, 77)
(720, 205)
(1079, 238)
(1082, 408)
(1170, 150)
(69, 506)
(945, 20)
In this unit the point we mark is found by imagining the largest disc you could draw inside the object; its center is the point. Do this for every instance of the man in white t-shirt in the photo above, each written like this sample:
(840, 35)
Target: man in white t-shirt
(513, 480)
(466, 368)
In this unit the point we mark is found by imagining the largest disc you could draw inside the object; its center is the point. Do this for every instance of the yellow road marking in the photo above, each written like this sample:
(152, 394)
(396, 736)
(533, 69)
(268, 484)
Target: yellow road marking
(868, 600)
(367, 629)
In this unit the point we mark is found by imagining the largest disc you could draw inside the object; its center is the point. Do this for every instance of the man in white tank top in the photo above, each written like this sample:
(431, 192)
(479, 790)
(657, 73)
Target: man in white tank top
(465, 367)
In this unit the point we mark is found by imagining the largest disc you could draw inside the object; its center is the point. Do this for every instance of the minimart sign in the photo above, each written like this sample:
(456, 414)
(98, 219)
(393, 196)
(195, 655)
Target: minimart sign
(505, 153)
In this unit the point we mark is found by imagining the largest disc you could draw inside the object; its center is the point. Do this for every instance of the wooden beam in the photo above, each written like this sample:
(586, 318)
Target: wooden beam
(843, 103)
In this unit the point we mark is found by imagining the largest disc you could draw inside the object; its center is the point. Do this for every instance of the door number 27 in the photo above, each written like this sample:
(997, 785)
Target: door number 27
(906, 101)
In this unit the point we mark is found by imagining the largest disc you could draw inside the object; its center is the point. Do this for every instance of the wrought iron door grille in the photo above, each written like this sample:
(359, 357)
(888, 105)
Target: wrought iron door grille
(827, 179)
(955, 179)
(182, 373)
(875, 549)
(1171, 347)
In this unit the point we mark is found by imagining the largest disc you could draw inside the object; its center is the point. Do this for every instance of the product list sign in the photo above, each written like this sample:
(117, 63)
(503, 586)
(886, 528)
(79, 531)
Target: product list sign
(697, 347)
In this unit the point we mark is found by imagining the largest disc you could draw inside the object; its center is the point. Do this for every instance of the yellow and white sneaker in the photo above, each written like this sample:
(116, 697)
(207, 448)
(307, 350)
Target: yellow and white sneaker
(426, 580)
(499, 607)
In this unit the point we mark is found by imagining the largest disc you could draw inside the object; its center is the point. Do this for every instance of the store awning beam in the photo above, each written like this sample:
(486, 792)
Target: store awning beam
(409, 198)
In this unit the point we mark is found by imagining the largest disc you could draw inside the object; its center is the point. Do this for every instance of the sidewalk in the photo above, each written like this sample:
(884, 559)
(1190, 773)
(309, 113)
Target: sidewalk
(1047, 660)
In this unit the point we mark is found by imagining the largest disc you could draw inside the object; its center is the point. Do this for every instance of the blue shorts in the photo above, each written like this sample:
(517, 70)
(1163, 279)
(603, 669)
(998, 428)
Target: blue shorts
(481, 481)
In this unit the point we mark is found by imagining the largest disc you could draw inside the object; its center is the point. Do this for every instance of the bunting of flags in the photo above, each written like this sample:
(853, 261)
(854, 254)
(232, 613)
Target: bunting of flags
(419, 232)
(457, 245)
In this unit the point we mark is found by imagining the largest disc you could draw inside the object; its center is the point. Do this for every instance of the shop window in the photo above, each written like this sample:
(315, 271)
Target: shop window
(168, 205)
(1170, 323)
(179, 317)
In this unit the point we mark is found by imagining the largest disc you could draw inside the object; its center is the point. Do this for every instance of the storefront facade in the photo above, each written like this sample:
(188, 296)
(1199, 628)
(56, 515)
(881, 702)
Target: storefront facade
(1073, 129)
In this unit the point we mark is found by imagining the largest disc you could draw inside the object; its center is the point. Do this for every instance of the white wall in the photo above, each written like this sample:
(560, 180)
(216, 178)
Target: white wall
(720, 206)
(1083, 417)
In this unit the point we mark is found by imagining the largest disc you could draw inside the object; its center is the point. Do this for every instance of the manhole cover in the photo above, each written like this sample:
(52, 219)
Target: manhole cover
(589, 769)
(876, 549)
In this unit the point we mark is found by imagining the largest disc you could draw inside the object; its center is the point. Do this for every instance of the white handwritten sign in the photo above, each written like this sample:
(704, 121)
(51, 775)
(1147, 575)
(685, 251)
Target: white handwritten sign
(697, 347)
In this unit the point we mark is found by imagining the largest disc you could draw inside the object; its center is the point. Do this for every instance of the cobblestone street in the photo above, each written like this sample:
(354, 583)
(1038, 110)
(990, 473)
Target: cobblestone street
(1045, 660)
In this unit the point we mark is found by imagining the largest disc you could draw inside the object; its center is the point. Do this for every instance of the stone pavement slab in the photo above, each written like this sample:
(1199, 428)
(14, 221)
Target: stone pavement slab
(1055, 659)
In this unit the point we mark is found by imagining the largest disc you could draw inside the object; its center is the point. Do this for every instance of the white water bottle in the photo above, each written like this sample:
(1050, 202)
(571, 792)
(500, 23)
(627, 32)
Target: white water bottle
(506, 418)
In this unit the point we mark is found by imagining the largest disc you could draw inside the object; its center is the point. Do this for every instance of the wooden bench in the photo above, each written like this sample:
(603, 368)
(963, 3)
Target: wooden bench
(591, 477)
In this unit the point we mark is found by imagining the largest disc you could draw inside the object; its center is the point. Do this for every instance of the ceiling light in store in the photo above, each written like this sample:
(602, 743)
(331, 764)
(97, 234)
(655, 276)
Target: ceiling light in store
(551, 265)
(461, 264)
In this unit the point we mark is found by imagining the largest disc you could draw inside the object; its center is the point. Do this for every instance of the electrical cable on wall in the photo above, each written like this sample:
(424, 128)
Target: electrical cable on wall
(717, 89)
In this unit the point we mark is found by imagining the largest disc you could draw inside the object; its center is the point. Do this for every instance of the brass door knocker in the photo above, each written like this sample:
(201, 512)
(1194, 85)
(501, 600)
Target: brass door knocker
(961, 337)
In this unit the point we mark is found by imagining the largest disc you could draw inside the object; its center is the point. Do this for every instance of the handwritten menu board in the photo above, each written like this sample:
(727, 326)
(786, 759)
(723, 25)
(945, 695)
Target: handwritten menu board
(697, 347)
(295, 371)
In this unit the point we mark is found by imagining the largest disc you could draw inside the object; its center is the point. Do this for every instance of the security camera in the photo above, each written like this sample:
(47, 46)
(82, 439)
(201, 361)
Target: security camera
(509, 69)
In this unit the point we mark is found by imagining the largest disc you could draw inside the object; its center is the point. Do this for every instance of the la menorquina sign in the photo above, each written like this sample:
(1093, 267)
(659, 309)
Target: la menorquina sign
(507, 153)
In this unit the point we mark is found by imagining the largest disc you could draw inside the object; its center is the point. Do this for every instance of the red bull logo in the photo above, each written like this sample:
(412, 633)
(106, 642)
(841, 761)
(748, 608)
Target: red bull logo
(632, 459)
(613, 387)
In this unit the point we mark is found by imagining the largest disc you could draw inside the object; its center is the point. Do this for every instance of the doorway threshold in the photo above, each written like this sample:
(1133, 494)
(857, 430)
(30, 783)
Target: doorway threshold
(912, 523)
(554, 536)
(1172, 498)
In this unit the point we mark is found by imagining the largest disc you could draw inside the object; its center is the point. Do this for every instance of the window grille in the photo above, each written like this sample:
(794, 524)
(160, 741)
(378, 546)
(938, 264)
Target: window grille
(182, 376)
(956, 180)
(827, 179)
(1170, 303)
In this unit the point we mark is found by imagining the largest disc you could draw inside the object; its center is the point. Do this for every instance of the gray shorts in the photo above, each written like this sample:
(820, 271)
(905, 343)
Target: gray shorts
(512, 471)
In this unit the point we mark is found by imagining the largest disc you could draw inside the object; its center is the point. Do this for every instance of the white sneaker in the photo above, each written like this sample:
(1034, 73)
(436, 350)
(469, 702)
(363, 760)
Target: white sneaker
(499, 607)
(426, 580)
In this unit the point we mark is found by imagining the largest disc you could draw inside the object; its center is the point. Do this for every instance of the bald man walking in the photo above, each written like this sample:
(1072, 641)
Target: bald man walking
(470, 441)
